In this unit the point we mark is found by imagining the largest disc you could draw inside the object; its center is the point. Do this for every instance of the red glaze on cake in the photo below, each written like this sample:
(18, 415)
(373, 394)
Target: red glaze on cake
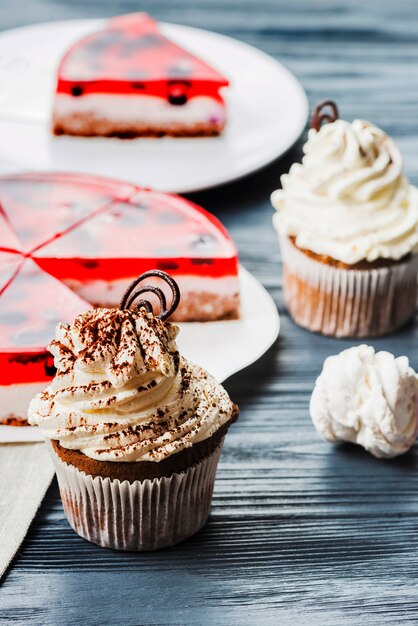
(31, 305)
(95, 236)
(129, 80)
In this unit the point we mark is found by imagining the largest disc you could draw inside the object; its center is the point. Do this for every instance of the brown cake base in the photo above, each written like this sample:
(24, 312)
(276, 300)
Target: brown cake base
(151, 506)
(361, 265)
(84, 125)
(142, 470)
(362, 300)
(207, 307)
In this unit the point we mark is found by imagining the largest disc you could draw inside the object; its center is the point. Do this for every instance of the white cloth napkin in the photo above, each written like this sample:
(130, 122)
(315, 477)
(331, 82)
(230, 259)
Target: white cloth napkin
(26, 472)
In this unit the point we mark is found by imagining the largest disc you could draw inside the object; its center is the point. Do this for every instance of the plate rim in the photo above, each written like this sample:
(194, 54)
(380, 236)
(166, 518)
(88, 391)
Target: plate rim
(253, 281)
(277, 327)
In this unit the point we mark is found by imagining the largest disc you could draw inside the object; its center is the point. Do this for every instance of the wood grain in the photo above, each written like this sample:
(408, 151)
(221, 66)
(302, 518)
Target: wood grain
(300, 532)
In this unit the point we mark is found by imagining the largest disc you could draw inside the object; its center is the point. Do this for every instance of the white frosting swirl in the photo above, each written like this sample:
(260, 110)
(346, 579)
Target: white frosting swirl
(123, 393)
(367, 398)
(349, 199)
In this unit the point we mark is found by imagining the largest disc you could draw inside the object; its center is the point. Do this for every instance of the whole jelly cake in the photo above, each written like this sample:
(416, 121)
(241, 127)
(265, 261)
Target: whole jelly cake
(71, 241)
(128, 80)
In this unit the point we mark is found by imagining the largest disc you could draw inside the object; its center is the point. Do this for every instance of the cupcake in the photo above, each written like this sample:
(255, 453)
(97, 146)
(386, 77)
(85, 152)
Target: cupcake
(347, 220)
(135, 430)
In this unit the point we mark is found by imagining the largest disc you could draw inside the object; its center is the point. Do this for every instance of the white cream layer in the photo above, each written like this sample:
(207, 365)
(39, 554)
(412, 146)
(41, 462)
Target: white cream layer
(140, 109)
(14, 399)
(123, 393)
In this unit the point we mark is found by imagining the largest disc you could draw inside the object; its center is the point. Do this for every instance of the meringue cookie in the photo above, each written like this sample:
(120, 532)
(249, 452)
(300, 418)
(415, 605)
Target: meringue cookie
(369, 398)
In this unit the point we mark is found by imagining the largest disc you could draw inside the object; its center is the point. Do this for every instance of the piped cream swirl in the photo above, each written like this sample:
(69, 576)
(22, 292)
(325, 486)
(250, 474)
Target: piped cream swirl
(122, 392)
(349, 199)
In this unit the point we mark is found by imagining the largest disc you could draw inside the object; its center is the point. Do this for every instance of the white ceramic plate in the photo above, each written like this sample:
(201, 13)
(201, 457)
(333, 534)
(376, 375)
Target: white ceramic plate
(267, 113)
(222, 348)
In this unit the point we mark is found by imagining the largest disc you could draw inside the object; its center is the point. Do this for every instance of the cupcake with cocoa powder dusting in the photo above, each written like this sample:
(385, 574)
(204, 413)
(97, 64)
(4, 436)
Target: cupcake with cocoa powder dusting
(347, 220)
(135, 430)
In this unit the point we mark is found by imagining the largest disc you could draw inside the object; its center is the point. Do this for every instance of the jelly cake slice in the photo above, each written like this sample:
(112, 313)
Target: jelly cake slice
(129, 80)
(38, 207)
(101, 257)
(31, 306)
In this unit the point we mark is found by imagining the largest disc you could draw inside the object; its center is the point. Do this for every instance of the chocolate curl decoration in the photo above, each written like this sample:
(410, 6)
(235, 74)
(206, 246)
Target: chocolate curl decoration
(319, 117)
(132, 294)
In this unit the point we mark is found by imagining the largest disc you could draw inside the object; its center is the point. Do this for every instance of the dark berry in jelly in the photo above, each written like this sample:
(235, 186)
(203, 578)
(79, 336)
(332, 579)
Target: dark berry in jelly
(167, 265)
(90, 264)
(49, 367)
(77, 90)
(177, 97)
(201, 261)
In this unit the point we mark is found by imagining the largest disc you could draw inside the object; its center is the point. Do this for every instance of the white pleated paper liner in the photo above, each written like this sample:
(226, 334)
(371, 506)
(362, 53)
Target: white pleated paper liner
(348, 303)
(140, 516)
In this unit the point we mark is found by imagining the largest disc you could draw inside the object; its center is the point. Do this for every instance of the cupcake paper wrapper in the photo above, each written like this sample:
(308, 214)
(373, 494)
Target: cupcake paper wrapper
(139, 516)
(347, 303)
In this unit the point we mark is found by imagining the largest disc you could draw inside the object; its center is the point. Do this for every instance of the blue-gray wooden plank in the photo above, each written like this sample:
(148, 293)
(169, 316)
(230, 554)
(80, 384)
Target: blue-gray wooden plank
(299, 531)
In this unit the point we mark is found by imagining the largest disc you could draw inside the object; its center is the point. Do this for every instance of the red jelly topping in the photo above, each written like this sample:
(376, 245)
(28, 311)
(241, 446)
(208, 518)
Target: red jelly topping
(131, 56)
(81, 228)
(30, 308)
(64, 204)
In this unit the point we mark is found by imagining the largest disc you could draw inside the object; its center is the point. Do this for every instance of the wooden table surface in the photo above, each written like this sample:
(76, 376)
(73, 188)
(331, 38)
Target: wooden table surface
(300, 532)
